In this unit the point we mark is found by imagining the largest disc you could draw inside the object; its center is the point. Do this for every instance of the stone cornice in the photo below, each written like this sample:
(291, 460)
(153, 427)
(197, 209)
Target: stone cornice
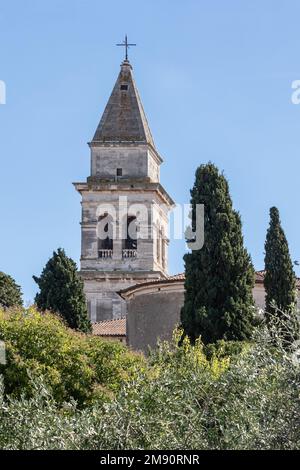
(134, 276)
(130, 185)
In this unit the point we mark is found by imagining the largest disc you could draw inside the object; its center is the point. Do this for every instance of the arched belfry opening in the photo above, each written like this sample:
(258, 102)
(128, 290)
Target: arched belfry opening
(105, 231)
(130, 242)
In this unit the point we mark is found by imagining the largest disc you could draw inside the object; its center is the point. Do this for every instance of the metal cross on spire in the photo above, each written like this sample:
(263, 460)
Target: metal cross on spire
(126, 44)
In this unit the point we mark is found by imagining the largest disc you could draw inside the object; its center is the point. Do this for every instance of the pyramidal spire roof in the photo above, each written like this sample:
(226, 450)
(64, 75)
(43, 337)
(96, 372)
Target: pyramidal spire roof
(124, 118)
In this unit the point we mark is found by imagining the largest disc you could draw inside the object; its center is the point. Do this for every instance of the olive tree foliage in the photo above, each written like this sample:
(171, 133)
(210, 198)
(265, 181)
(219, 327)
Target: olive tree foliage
(248, 401)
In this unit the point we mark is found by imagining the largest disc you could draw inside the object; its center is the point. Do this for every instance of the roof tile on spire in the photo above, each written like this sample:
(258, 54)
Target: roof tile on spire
(124, 119)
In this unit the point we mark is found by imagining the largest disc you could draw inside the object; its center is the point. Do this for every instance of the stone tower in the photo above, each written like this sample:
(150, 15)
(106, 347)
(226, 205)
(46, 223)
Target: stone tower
(125, 209)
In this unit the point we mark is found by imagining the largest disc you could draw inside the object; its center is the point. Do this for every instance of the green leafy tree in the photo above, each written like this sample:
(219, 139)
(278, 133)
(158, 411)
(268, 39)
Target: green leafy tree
(280, 279)
(10, 292)
(220, 276)
(61, 291)
(41, 347)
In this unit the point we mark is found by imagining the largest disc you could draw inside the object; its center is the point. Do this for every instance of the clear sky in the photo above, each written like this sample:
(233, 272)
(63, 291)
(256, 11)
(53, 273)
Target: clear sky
(215, 79)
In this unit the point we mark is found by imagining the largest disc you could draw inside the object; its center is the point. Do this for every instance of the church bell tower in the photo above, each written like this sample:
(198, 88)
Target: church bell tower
(124, 226)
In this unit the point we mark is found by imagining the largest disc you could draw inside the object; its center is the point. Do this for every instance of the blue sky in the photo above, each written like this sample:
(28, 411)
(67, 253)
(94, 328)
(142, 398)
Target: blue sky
(215, 79)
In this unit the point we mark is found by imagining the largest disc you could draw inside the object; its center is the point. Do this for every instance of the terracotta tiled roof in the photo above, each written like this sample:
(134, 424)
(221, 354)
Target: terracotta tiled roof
(173, 277)
(259, 276)
(166, 280)
(110, 328)
(259, 279)
(176, 277)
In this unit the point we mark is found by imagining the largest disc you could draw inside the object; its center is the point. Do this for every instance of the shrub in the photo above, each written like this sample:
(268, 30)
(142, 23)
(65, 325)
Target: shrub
(225, 349)
(179, 400)
(71, 364)
(187, 402)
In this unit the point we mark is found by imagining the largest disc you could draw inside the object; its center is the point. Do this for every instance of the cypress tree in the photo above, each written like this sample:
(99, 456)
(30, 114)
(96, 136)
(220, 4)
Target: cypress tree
(220, 276)
(10, 292)
(280, 279)
(61, 291)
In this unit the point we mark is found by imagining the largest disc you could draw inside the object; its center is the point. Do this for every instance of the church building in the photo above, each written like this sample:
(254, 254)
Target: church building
(125, 209)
